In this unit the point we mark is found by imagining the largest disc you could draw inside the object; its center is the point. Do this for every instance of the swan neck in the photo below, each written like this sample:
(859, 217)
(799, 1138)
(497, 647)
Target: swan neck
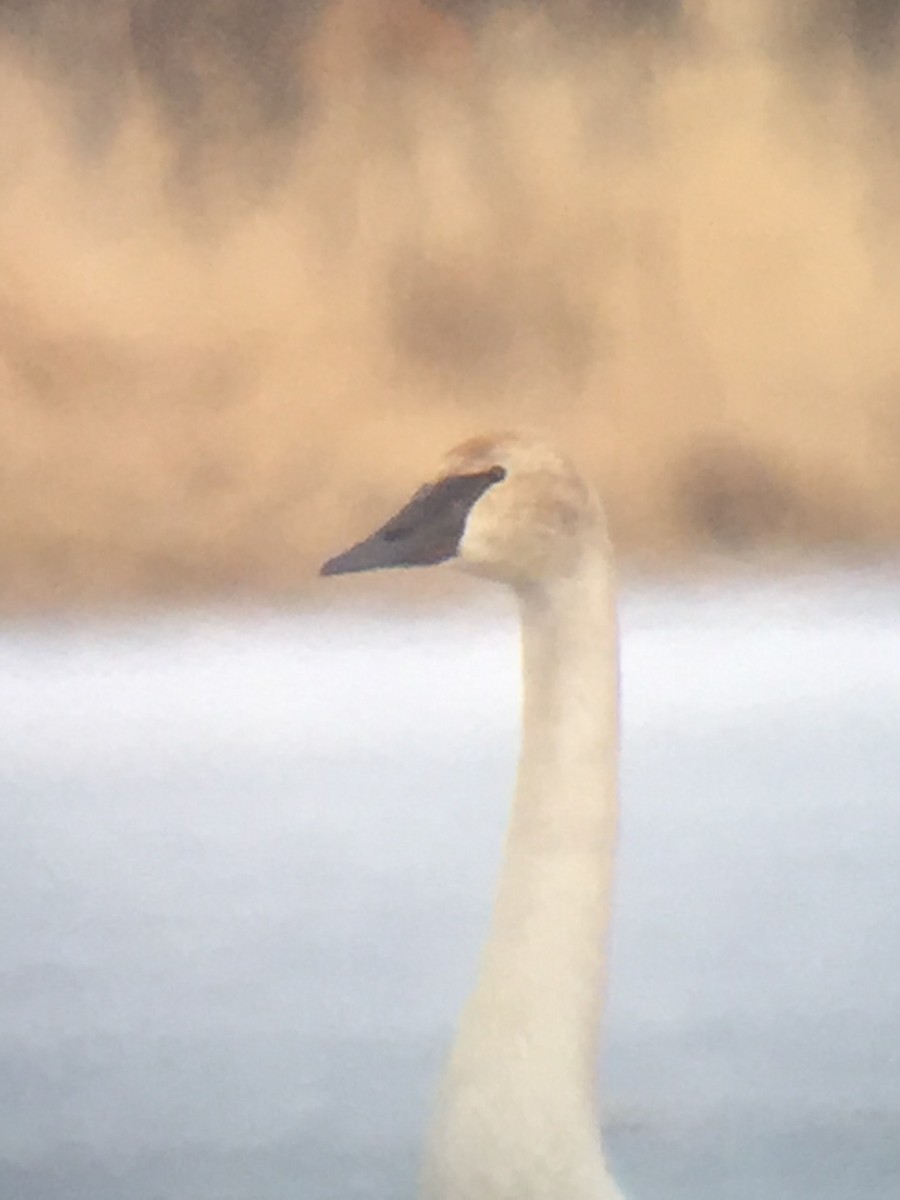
(517, 1118)
(544, 966)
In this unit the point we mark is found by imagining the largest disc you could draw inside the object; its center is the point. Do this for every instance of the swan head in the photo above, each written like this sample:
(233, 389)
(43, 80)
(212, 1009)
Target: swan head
(506, 507)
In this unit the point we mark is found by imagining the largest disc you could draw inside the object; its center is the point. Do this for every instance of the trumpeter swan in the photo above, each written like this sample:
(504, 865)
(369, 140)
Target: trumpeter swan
(517, 1115)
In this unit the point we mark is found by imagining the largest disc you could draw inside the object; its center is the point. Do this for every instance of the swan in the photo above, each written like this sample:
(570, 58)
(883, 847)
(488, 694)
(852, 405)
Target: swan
(517, 1111)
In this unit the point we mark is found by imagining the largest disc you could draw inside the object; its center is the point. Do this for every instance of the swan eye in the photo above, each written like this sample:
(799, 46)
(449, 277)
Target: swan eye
(446, 502)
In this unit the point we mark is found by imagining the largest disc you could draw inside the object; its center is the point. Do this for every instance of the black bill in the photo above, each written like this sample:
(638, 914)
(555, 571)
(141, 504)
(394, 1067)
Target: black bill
(427, 530)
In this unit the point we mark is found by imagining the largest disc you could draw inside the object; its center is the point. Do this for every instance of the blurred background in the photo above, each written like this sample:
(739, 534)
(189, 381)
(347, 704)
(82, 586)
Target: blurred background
(260, 263)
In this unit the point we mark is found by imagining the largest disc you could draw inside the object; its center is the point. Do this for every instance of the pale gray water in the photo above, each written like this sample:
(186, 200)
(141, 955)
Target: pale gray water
(247, 862)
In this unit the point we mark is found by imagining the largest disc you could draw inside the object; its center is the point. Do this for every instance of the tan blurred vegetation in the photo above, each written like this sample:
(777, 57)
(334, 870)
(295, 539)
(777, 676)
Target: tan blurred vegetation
(256, 274)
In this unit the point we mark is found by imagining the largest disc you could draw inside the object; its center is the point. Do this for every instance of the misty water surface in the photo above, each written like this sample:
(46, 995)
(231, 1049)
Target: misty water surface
(247, 863)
